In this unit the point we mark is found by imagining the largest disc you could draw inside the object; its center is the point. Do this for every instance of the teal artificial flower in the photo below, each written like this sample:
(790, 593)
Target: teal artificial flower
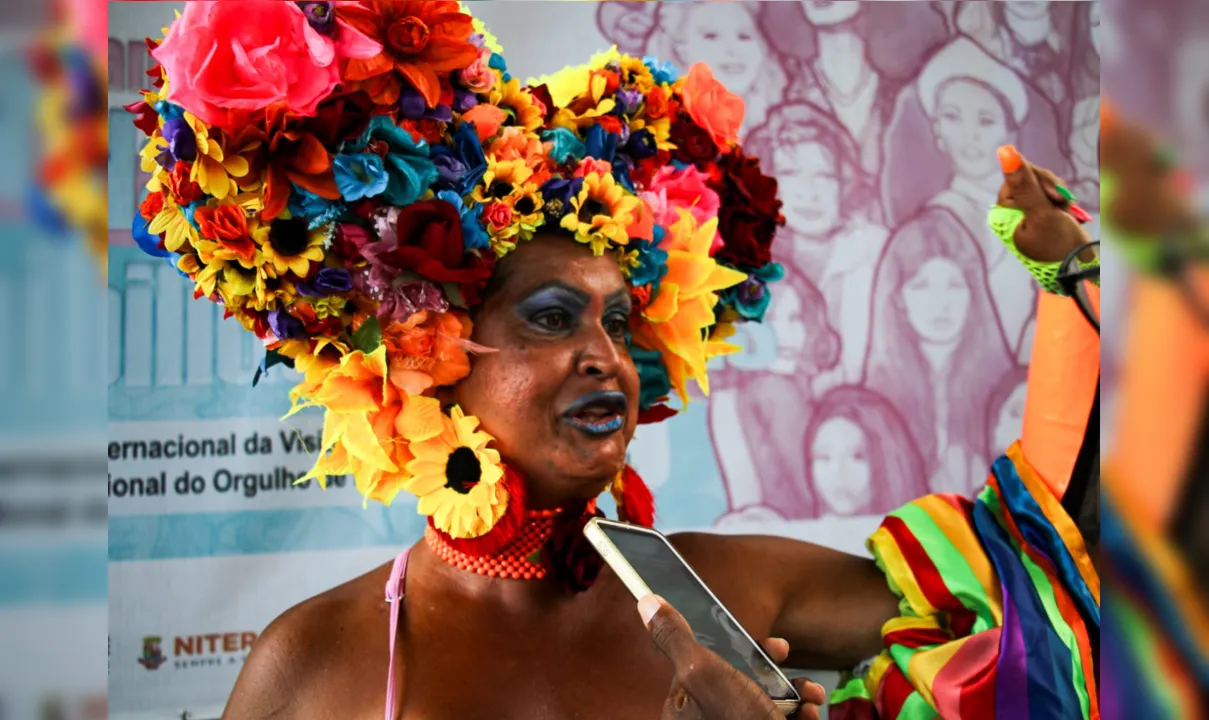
(565, 144)
(665, 73)
(360, 176)
(653, 380)
(752, 297)
(474, 235)
(652, 264)
(409, 169)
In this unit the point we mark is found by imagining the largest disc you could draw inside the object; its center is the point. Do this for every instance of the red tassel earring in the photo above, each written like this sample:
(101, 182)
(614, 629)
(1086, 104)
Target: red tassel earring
(635, 504)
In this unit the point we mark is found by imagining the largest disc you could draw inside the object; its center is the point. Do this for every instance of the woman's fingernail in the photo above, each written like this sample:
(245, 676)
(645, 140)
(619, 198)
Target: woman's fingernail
(1065, 193)
(1009, 159)
(648, 606)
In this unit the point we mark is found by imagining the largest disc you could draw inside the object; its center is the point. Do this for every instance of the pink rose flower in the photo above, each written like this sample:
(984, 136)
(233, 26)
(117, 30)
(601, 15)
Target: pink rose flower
(498, 215)
(671, 190)
(477, 77)
(226, 59)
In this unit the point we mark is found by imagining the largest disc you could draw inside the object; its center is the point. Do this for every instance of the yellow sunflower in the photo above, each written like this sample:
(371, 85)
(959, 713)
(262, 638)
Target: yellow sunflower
(456, 476)
(510, 97)
(289, 246)
(527, 217)
(635, 74)
(601, 213)
(503, 179)
(217, 165)
(178, 231)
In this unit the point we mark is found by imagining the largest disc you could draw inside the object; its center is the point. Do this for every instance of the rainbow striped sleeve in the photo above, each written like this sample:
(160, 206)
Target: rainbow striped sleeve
(999, 602)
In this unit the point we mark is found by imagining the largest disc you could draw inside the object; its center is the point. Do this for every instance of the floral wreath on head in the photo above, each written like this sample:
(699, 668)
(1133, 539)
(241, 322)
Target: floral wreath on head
(347, 197)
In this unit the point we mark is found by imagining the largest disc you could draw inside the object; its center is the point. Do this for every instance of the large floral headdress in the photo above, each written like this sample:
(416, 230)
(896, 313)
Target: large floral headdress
(344, 176)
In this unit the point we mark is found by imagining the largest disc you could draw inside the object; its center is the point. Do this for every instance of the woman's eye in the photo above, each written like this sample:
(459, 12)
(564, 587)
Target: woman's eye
(553, 320)
(616, 326)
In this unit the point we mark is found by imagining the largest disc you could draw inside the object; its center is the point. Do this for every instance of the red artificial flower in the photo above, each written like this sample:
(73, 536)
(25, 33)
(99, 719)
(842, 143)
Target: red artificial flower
(541, 96)
(693, 143)
(151, 206)
(751, 211)
(156, 71)
(227, 224)
(655, 414)
(569, 557)
(657, 103)
(184, 191)
(635, 505)
(612, 81)
(343, 117)
(421, 39)
(290, 155)
(498, 215)
(644, 171)
(505, 530)
(430, 243)
(145, 116)
(610, 123)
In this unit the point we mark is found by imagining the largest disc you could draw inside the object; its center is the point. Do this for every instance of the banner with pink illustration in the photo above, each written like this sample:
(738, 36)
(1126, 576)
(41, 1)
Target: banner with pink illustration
(892, 363)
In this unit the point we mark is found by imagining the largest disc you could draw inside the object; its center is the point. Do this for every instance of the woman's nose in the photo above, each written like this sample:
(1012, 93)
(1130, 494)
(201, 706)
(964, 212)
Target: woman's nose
(600, 357)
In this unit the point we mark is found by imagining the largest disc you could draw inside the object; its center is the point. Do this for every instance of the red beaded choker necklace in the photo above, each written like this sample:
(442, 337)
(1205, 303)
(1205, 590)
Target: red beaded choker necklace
(520, 559)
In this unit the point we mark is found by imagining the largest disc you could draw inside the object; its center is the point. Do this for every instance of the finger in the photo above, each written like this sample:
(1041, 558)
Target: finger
(1053, 187)
(1021, 189)
(777, 649)
(811, 692)
(807, 711)
(669, 630)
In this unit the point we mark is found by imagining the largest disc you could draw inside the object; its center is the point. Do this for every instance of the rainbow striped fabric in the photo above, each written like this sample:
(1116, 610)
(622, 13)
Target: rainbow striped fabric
(999, 602)
(1155, 657)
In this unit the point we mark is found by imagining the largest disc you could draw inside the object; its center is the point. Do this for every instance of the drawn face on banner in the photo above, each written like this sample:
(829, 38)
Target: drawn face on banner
(839, 466)
(971, 124)
(726, 36)
(830, 12)
(1010, 420)
(1094, 12)
(1027, 9)
(785, 319)
(936, 299)
(810, 187)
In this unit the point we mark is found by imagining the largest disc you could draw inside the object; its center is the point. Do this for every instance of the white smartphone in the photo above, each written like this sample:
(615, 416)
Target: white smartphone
(647, 562)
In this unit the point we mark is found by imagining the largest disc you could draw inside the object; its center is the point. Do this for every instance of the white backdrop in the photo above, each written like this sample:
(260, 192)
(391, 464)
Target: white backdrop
(881, 121)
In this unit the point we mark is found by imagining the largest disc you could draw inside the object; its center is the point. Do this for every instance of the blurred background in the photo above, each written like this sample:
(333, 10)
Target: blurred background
(879, 119)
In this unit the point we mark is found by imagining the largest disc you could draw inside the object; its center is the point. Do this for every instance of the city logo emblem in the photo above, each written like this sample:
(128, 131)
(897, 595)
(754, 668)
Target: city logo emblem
(153, 655)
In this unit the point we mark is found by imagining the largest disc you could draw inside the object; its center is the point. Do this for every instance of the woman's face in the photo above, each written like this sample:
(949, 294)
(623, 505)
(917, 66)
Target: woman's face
(970, 126)
(725, 36)
(785, 318)
(839, 464)
(810, 188)
(560, 395)
(830, 12)
(937, 299)
(1010, 421)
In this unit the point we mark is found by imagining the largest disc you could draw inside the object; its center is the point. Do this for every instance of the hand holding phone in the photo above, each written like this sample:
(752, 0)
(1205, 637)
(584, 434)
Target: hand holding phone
(707, 686)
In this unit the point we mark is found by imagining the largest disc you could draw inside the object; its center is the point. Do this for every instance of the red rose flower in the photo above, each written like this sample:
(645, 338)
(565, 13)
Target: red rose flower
(151, 206)
(498, 215)
(541, 96)
(184, 190)
(428, 241)
(569, 558)
(751, 211)
(693, 143)
(228, 225)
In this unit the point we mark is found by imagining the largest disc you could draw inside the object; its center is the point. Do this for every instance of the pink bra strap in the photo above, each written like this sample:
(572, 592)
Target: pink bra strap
(394, 595)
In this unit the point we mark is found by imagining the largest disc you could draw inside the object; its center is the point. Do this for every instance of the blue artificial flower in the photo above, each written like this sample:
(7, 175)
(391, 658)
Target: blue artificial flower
(664, 73)
(752, 297)
(461, 165)
(191, 208)
(474, 235)
(496, 62)
(360, 176)
(328, 281)
(641, 145)
(621, 171)
(169, 111)
(412, 105)
(285, 326)
(407, 163)
(317, 210)
(182, 142)
(653, 381)
(47, 216)
(652, 264)
(147, 242)
(556, 197)
(565, 144)
(601, 144)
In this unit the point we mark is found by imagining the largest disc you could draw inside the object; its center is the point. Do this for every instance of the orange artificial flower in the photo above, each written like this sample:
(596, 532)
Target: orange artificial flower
(717, 110)
(487, 120)
(420, 38)
(228, 225)
(287, 154)
(428, 350)
(677, 319)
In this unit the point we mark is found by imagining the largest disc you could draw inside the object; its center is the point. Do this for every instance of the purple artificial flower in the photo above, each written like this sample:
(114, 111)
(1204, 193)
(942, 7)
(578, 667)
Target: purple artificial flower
(478, 40)
(402, 301)
(328, 281)
(629, 100)
(412, 105)
(450, 170)
(557, 194)
(285, 326)
(463, 99)
(320, 16)
(182, 143)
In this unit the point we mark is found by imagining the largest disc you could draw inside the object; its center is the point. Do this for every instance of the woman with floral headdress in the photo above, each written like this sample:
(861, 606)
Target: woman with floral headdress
(486, 287)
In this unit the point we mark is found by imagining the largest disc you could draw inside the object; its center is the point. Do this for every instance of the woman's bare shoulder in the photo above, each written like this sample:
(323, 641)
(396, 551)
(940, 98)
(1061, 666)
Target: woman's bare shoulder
(320, 636)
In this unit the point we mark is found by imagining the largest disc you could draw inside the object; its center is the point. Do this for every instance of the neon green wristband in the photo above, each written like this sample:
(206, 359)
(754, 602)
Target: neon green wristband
(1003, 222)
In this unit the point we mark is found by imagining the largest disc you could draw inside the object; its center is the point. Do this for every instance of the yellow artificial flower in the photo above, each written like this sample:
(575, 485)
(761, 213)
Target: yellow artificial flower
(216, 166)
(289, 246)
(458, 479)
(635, 74)
(489, 41)
(359, 435)
(178, 231)
(526, 114)
(503, 179)
(682, 311)
(602, 212)
(573, 81)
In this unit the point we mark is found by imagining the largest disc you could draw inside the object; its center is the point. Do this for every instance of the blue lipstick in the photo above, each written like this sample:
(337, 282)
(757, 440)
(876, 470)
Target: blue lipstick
(597, 414)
